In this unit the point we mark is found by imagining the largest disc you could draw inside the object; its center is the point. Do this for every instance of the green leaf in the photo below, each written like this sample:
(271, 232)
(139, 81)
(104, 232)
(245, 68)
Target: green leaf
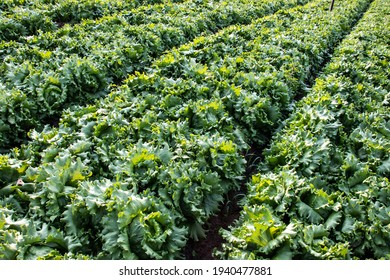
(384, 168)
(333, 220)
(309, 213)
(263, 234)
(348, 225)
(313, 232)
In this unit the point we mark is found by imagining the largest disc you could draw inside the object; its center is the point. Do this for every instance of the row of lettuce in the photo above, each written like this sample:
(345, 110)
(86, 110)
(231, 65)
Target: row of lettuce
(137, 174)
(323, 191)
(20, 18)
(41, 75)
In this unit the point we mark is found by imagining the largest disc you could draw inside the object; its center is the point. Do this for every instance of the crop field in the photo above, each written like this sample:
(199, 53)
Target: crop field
(194, 129)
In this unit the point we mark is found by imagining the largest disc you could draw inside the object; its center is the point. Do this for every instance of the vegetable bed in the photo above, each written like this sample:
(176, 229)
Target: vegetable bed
(137, 174)
(323, 189)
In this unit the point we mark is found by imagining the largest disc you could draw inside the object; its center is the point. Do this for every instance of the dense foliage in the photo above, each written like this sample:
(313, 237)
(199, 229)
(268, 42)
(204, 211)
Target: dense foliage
(19, 18)
(138, 173)
(324, 190)
(42, 75)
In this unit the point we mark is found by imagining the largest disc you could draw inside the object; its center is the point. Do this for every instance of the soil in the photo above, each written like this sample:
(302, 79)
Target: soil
(229, 213)
(203, 249)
